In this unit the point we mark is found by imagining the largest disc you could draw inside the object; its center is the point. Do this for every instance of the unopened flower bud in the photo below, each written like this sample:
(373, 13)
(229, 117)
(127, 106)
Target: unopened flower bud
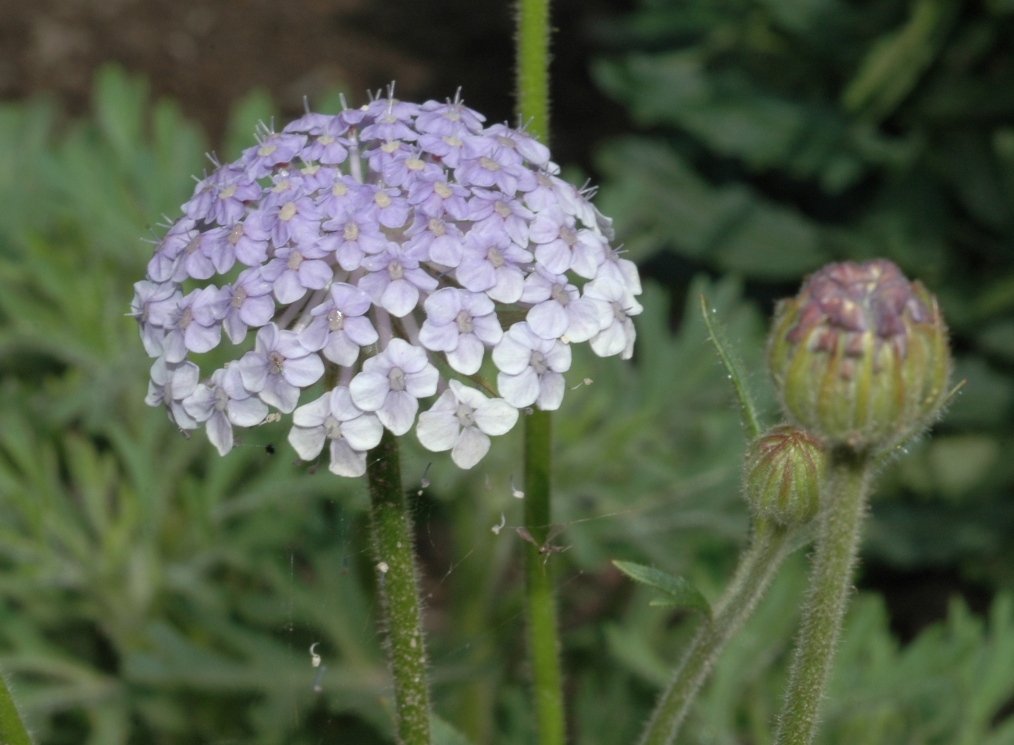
(784, 468)
(860, 356)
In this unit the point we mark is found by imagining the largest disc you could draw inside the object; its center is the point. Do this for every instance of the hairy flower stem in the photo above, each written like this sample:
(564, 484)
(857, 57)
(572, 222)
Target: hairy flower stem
(396, 581)
(533, 66)
(12, 729)
(845, 491)
(757, 567)
(542, 636)
(533, 107)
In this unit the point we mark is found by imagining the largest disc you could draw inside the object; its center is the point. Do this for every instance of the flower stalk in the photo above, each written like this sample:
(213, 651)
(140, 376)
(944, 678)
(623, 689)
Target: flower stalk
(397, 584)
(757, 567)
(542, 631)
(543, 639)
(846, 490)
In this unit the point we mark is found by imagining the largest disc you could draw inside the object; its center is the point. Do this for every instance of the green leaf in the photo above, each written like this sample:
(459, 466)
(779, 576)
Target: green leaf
(680, 593)
(443, 732)
(733, 365)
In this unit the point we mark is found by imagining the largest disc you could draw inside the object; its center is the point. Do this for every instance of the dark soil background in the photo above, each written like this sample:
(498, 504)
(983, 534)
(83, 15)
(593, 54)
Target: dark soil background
(207, 53)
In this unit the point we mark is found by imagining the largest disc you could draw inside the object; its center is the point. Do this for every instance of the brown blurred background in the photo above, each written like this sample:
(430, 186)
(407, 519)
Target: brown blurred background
(208, 53)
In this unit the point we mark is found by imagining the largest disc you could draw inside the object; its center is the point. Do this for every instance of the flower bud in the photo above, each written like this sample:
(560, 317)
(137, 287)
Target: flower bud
(784, 468)
(860, 356)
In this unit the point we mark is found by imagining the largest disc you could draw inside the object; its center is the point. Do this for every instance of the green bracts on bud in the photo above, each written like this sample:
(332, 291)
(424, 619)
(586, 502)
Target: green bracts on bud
(784, 470)
(860, 356)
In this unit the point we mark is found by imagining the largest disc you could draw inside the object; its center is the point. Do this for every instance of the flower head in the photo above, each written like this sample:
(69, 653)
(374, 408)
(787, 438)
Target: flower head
(860, 356)
(370, 244)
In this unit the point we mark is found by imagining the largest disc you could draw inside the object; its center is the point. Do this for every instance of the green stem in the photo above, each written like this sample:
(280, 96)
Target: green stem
(757, 567)
(12, 729)
(542, 636)
(844, 495)
(396, 581)
(533, 66)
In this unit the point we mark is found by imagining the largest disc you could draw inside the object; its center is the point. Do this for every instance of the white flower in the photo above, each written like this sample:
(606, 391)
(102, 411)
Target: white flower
(531, 368)
(460, 323)
(616, 304)
(558, 310)
(171, 383)
(335, 417)
(461, 421)
(222, 402)
(391, 383)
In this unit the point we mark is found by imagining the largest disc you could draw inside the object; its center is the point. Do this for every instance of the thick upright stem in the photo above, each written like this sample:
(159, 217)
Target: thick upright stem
(757, 566)
(533, 66)
(844, 503)
(542, 637)
(396, 579)
(12, 729)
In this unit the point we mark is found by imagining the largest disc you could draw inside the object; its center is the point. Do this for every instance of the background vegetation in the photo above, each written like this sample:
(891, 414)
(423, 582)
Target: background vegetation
(152, 592)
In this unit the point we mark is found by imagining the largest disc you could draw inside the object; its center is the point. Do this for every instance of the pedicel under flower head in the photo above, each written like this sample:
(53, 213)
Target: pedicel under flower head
(383, 244)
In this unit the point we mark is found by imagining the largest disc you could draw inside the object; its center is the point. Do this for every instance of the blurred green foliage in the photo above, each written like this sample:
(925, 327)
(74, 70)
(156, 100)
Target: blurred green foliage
(152, 592)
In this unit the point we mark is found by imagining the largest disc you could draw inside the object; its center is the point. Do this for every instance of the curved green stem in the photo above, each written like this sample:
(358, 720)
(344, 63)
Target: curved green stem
(391, 526)
(757, 567)
(542, 635)
(12, 729)
(844, 495)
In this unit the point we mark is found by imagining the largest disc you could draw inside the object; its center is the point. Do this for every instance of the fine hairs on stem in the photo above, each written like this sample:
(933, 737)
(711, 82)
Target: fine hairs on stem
(397, 584)
(846, 491)
(533, 110)
(757, 567)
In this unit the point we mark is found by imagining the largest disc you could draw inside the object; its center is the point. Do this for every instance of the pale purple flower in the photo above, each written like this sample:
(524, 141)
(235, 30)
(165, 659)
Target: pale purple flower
(334, 417)
(222, 402)
(344, 198)
(495, 212)
(388, 207)
(621, 270)
(154, 306)
(462, 421)
(391, 124)
(394, 280)
(526, 146)
(431, 194)
(313, 123)
(250, 240)
(195, 325)
(448, 118)
(278, 367)
(551, 191)
(222, 197)
(339, 327)
(557, 308)
(274, 150)
(461, 324)
(392, 382)
(354, 236)
(531, 368)
(434, 240)
(171, 383)
(296, 219)
(328, 147)
(615, 304)
(405, 170)
(166, 257)
(390, 152)
(316, 178)
(249, 303)
(294, 270)
(495, 169)
(563, 247)
(451, 149)
(490, 264)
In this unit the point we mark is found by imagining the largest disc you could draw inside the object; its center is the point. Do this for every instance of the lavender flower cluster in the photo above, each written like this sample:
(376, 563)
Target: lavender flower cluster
(364, 248)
